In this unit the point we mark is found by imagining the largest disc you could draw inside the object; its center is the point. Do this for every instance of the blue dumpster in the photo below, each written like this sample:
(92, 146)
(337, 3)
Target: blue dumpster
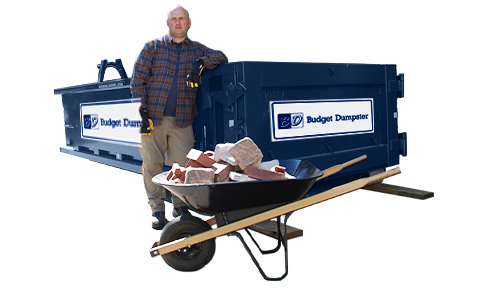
(102, 121)
(321, 112)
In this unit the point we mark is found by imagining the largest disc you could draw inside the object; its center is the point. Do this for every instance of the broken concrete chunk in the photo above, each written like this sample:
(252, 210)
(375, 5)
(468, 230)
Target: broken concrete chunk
(257, 164)
(246, 153)
(235, 176)
(269, 164)
(222, 154)
(287, 176)
(230, 160)
(221, 149)
(199, 175)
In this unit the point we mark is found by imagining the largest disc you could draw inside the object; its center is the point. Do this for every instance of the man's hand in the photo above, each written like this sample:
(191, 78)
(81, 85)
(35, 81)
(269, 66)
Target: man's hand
(194, 77)
(147, 123)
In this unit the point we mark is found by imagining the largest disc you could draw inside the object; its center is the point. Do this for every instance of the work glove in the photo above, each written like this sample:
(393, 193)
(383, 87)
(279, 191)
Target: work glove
(194, 77)
(147, 123)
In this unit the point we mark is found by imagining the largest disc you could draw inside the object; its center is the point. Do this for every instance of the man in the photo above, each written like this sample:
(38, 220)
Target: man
(166, 76)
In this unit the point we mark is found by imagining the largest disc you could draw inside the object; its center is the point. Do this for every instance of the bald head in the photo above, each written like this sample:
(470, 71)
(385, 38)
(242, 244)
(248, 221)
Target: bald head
(180, 8)
(178, 23)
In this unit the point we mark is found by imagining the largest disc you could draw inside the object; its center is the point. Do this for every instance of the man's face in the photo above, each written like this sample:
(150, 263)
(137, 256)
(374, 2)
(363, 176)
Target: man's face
(178, 23)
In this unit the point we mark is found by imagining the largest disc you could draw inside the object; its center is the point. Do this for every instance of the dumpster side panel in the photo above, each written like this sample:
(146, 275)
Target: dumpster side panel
(242, 106)
(112, 153)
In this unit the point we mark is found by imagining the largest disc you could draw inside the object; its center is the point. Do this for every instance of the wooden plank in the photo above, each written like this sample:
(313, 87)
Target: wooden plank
(270, 228)
(399, 191)
(211, 221)
(270, 214)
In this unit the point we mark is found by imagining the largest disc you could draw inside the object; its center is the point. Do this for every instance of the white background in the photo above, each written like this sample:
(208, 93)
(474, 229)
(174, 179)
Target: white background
(75, 229)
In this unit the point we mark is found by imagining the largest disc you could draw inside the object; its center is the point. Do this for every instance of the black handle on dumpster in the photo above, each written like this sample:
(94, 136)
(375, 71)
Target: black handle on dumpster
(105, 64)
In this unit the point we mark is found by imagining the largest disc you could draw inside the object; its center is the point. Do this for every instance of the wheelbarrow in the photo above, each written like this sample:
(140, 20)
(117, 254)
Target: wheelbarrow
(188, 243)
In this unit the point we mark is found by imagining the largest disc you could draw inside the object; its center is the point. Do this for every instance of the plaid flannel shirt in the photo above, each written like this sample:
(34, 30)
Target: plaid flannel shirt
(153, 75)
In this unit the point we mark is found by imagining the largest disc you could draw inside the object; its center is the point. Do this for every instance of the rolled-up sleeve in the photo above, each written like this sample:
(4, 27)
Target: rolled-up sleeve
(212, 58)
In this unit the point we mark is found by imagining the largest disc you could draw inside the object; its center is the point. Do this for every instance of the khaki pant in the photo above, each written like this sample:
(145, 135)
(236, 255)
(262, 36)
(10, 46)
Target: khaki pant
(176, 143)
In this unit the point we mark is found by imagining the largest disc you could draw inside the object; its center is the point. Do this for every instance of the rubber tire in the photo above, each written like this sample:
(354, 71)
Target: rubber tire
(195, 256)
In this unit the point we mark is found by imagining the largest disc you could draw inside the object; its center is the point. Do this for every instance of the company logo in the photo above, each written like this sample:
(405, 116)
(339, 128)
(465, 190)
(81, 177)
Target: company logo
(94, 122)
(288, 121)
(90, 122)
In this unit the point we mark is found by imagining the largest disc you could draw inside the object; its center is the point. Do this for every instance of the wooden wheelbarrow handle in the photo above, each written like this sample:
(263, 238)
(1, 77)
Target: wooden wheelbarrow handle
(337, 168)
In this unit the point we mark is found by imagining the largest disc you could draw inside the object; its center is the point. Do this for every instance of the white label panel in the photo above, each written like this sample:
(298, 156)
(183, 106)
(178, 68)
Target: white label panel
(115, 121)
(317, 118)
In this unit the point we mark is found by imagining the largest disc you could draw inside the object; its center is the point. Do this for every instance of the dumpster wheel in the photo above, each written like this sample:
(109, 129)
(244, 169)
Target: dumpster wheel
(193, 257)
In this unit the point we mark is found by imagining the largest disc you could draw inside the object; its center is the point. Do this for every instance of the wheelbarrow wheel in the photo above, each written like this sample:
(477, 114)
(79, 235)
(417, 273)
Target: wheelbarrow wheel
(191, 258)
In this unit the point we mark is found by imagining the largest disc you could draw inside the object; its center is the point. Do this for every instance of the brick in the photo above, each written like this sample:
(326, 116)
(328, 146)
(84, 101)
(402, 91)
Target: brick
(180, 173)
(199, 175)
(222, 171)
(282, 169)
(170, 174)
(263, 174)
(246, 153)
(201, 158)
(193, 164)
(176, 170)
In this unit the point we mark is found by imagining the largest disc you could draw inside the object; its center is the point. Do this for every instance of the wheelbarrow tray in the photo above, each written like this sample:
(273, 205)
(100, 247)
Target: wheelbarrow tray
(228, 196)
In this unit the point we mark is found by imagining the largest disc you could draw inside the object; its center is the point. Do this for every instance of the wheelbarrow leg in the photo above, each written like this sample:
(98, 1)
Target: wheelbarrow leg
(278, 224)
(282, 240)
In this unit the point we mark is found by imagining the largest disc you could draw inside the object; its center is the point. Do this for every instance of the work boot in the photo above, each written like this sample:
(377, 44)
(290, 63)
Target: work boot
(162, 221)
(181, 211)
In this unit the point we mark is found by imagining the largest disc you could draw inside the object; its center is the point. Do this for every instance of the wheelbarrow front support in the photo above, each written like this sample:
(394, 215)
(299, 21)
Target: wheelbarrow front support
(282, 241)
